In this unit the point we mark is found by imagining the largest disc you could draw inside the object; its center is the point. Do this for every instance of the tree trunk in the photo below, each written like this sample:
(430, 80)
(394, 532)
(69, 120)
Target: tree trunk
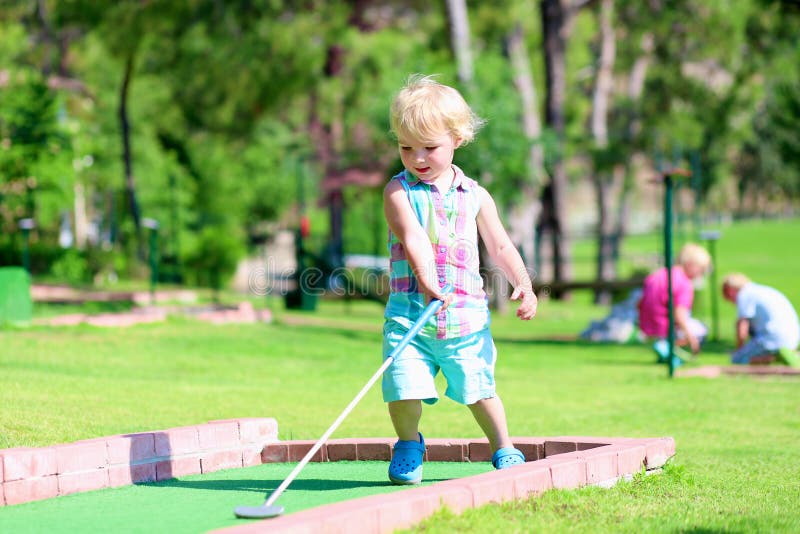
(602, 176)
(81, 219)
(556, 17)
(523, 215)
(127, 159)
(636, 80)
(495, 286)
(460, 39)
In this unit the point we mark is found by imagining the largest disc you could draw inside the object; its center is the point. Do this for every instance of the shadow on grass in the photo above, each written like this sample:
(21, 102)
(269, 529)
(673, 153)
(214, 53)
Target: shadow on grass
(707, 530)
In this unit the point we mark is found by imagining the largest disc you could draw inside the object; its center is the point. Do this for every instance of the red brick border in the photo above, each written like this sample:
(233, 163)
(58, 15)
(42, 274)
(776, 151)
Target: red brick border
(29, 474)
(559, 462)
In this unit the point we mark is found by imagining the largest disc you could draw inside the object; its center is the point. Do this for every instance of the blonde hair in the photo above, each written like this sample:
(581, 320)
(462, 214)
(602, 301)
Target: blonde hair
(425, 109)
(695, 255)
(735, 281)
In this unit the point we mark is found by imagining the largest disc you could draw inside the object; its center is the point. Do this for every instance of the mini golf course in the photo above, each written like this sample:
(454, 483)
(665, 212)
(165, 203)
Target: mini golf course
(189, 479)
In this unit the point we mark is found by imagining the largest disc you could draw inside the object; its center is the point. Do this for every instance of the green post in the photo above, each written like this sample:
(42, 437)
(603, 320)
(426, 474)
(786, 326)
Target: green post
(152, 224)
(668, 262)
(667, 177)
(26, 225)
(711, 237)
(697, 189)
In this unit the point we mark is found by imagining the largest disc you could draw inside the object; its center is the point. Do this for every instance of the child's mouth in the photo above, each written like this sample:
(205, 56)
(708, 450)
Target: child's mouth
(422, 170)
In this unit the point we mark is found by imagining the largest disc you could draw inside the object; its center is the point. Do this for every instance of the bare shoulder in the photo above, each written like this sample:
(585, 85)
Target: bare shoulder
(393, 186)
(485, 198)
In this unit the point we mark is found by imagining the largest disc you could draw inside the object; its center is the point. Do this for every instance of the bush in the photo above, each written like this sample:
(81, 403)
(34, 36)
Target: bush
(72, 268)
(215, 257)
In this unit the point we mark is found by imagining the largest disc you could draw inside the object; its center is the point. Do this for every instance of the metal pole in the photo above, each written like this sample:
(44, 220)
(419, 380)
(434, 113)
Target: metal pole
(26, 225)
(667, 178)
(668, 263)
(712, 245)
(152, 224)
(711, 237)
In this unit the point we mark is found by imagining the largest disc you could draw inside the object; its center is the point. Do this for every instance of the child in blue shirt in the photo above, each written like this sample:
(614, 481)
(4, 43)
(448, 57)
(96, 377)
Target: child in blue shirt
(767, 325)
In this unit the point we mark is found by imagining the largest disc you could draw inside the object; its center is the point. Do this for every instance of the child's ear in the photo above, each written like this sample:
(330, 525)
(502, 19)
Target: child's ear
(458, 142)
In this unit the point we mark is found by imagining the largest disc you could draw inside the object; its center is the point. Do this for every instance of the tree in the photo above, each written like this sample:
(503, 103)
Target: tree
(604, 161)
(557, 20)
(524, 214)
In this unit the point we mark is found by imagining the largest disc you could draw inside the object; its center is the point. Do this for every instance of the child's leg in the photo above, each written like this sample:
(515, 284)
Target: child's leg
(405, 416)
(753, 349)
(409, 451)
(491, 417)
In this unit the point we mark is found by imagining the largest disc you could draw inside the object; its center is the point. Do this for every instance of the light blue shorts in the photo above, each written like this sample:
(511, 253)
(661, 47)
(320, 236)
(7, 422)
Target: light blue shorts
(467, 364)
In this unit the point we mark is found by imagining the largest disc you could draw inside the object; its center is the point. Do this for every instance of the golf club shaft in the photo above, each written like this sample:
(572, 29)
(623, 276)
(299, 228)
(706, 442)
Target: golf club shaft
(431, 309)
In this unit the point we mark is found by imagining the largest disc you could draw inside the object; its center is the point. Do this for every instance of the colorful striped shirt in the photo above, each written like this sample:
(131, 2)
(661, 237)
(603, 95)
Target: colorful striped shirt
(450, 221)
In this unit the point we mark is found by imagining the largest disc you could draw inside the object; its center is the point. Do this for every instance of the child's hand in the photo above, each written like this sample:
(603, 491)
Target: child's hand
(694, 345)
(527, 308)
(446, 300)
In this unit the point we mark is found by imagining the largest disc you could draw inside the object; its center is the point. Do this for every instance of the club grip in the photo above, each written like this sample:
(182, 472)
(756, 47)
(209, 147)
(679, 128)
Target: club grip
(429, 311)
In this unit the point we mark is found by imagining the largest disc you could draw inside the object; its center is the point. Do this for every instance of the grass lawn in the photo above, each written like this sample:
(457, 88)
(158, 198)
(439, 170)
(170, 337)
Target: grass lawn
(736, 468)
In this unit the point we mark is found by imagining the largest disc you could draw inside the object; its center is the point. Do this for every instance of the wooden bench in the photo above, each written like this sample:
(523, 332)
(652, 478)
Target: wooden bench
(614, 286)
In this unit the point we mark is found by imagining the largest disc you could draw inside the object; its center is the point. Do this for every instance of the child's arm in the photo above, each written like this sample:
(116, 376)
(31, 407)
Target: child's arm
(505, 255)
(404, 224)
(682, 322)
(742, 331)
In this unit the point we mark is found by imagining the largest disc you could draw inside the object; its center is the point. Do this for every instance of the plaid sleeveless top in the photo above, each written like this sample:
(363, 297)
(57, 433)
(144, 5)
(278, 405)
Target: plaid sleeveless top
(450, 220)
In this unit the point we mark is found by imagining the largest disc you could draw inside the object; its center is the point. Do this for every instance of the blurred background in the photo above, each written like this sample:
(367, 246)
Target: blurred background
(238, 144)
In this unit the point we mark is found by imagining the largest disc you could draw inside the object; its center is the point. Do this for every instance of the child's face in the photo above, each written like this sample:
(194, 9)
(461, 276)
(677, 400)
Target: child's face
(729, 294)
(693, 270)
(427, 160)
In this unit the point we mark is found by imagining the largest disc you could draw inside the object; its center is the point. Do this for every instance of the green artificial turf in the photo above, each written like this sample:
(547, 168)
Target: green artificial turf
(200, 503)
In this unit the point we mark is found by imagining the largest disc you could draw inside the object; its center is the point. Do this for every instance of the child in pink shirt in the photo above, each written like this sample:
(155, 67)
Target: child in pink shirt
(693, 262)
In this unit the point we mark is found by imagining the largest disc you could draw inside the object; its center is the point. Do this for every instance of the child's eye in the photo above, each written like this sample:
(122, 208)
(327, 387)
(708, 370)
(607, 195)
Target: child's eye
(406, 148)
(431, 147)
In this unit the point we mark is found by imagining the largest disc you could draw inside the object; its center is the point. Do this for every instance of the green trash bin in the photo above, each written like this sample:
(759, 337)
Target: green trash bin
(16, 306)
(301, 300)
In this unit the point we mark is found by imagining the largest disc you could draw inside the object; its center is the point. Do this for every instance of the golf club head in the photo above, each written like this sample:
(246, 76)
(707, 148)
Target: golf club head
(257, 512)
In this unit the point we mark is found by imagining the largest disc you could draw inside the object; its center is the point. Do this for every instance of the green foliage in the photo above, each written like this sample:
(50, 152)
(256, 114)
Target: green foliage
(72, 268)
(214, 258)
(499, 155)
(365, 228)
(238, 110)
(34, 149)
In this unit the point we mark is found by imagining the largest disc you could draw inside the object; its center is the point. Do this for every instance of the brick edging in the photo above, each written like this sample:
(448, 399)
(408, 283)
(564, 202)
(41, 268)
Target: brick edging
(560, 462)
(31, 474)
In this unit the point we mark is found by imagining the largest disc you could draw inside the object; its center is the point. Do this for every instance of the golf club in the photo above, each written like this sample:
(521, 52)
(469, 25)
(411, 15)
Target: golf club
(269, 509)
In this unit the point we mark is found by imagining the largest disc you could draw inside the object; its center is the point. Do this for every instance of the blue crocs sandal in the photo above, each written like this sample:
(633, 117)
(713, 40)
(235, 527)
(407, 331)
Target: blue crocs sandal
(662, 350)
(406, 465)
(507, 457)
